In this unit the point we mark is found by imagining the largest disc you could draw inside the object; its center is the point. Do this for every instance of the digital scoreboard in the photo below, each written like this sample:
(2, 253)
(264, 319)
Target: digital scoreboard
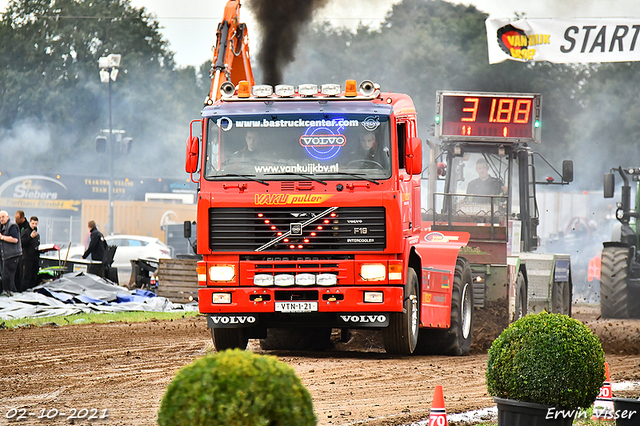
(486, 117)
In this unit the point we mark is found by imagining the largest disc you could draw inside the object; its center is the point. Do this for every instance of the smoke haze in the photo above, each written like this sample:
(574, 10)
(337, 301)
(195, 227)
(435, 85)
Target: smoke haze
(281, 22)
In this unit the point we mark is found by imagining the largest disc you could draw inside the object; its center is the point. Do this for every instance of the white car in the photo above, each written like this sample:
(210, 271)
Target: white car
(130, 247)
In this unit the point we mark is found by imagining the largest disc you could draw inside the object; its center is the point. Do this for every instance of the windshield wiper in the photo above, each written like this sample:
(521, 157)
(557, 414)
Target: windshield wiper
(250, 177)
(357, 175)
(297, 174)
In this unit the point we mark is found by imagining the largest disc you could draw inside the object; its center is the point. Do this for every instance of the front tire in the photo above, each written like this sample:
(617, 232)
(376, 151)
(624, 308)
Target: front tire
(613, 283)
(401, 336)
(229, 338)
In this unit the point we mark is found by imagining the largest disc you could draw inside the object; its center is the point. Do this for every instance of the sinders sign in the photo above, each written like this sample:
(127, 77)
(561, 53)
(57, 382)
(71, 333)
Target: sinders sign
(30, 192)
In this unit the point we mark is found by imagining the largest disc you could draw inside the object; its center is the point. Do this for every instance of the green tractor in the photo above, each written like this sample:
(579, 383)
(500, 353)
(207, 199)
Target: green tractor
(620, 268)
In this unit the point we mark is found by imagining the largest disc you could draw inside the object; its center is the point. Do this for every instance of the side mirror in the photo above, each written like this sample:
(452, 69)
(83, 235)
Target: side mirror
(414, 156)
(193, 151)
(567, 171)
(609, 185)
(187, 229)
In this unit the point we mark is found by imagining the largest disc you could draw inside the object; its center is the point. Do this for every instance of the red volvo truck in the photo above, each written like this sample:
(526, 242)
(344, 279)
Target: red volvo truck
(311, 218)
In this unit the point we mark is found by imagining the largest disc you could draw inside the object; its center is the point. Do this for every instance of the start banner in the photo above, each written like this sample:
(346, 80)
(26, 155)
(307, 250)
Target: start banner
(564, 41)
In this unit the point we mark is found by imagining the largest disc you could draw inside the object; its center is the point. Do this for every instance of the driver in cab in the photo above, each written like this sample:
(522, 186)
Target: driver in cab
(253, 149)
(485, 184)
(367, 152)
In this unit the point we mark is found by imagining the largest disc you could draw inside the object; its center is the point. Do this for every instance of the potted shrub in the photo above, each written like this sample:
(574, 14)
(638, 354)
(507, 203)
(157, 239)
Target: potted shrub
(235, 388)
(627, 411)
(543, 368)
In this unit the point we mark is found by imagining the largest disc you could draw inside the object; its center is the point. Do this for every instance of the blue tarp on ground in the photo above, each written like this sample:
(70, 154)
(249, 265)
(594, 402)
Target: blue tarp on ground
(81, 292)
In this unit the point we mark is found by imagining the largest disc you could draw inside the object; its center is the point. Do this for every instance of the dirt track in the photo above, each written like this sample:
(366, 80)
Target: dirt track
(124, 368)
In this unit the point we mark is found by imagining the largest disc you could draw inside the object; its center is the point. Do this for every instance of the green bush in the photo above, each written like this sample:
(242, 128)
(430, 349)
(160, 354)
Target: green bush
(548, 359)
(234, 388)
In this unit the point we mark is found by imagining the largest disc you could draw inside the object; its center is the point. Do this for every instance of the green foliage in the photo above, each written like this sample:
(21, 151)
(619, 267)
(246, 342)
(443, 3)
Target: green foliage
(53, 102)
(548, 359)
(236, 388)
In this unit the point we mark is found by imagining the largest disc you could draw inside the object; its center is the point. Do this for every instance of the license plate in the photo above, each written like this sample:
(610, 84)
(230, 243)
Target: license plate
(296, 306)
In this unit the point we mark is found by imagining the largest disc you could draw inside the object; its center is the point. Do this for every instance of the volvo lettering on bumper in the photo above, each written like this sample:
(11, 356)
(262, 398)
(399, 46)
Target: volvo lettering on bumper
(365, 320)
(231, 321)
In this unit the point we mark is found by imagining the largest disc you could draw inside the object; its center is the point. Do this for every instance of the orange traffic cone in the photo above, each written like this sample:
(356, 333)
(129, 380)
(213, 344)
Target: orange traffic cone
(603, 405)
(438, 414)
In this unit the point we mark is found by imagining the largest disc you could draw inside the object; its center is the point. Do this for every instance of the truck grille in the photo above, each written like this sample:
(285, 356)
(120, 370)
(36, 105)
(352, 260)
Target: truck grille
(250, 229)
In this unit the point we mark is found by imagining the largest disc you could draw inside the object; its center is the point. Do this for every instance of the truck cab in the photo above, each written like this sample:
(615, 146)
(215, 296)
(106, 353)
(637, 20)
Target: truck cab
(308, 204)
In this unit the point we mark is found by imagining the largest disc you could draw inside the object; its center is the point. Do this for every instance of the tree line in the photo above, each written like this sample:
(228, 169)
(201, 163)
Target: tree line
(52, 104)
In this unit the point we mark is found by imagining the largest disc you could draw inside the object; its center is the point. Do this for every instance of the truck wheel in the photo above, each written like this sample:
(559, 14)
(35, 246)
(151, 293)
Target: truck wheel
(521, 297)
(401, 336)
(229, 338)
(613, 283)
(456, 340)
(297, 339)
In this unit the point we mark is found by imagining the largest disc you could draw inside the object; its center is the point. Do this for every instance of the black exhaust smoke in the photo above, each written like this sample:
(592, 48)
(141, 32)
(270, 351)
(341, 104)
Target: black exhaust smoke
(281, 22)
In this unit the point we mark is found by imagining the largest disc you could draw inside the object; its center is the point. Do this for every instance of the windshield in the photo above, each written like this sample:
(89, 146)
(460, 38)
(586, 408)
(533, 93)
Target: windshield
(476, 190)
(283, 147)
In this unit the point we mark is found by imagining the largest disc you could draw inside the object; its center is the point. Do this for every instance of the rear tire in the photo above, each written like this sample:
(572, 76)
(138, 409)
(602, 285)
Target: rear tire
(229, 338)
(613, 283)
(457, 339)
(401, 336)
(521, 297)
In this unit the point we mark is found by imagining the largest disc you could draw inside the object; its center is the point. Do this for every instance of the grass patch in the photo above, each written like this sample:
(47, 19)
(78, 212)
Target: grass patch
(97, 318)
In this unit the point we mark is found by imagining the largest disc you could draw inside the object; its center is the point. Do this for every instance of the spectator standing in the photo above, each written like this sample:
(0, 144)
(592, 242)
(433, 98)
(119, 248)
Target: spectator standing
(97, 244)
(23, 224)
(30, 240)
(11, 252)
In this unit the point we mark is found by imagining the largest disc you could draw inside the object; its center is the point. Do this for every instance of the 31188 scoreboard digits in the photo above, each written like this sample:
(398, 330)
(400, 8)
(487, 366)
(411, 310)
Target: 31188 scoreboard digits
(488, 116)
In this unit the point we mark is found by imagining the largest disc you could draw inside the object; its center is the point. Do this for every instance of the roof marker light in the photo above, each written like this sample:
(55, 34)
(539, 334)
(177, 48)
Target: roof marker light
(330, 89)
(285, 90)
(308, 89)
(262, 90)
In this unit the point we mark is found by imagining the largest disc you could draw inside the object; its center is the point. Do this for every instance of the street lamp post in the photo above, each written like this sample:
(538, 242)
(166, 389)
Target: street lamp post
(109, 72)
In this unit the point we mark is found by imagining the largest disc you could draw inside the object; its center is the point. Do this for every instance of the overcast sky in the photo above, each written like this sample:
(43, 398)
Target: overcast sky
(190, 25)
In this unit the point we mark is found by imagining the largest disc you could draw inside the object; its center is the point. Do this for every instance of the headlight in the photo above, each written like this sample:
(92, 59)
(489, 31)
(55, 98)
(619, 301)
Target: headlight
(218, 298)
(326, 279)
(373, 297)
(284, 280)
(373, 272)
(263, 280)
(222, 273)
(305, 279)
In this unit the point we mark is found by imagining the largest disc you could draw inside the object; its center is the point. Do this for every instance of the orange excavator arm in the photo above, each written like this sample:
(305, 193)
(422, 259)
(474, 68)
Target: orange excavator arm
(231, 60)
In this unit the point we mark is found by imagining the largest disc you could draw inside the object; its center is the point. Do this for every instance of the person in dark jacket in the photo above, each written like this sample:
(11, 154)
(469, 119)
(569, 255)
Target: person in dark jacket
(11, 252)
(30, 240)
(97, 244)
(23, 224)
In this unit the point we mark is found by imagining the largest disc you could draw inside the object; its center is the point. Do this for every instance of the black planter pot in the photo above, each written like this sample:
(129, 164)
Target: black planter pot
(627, 410)
(518, 413)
